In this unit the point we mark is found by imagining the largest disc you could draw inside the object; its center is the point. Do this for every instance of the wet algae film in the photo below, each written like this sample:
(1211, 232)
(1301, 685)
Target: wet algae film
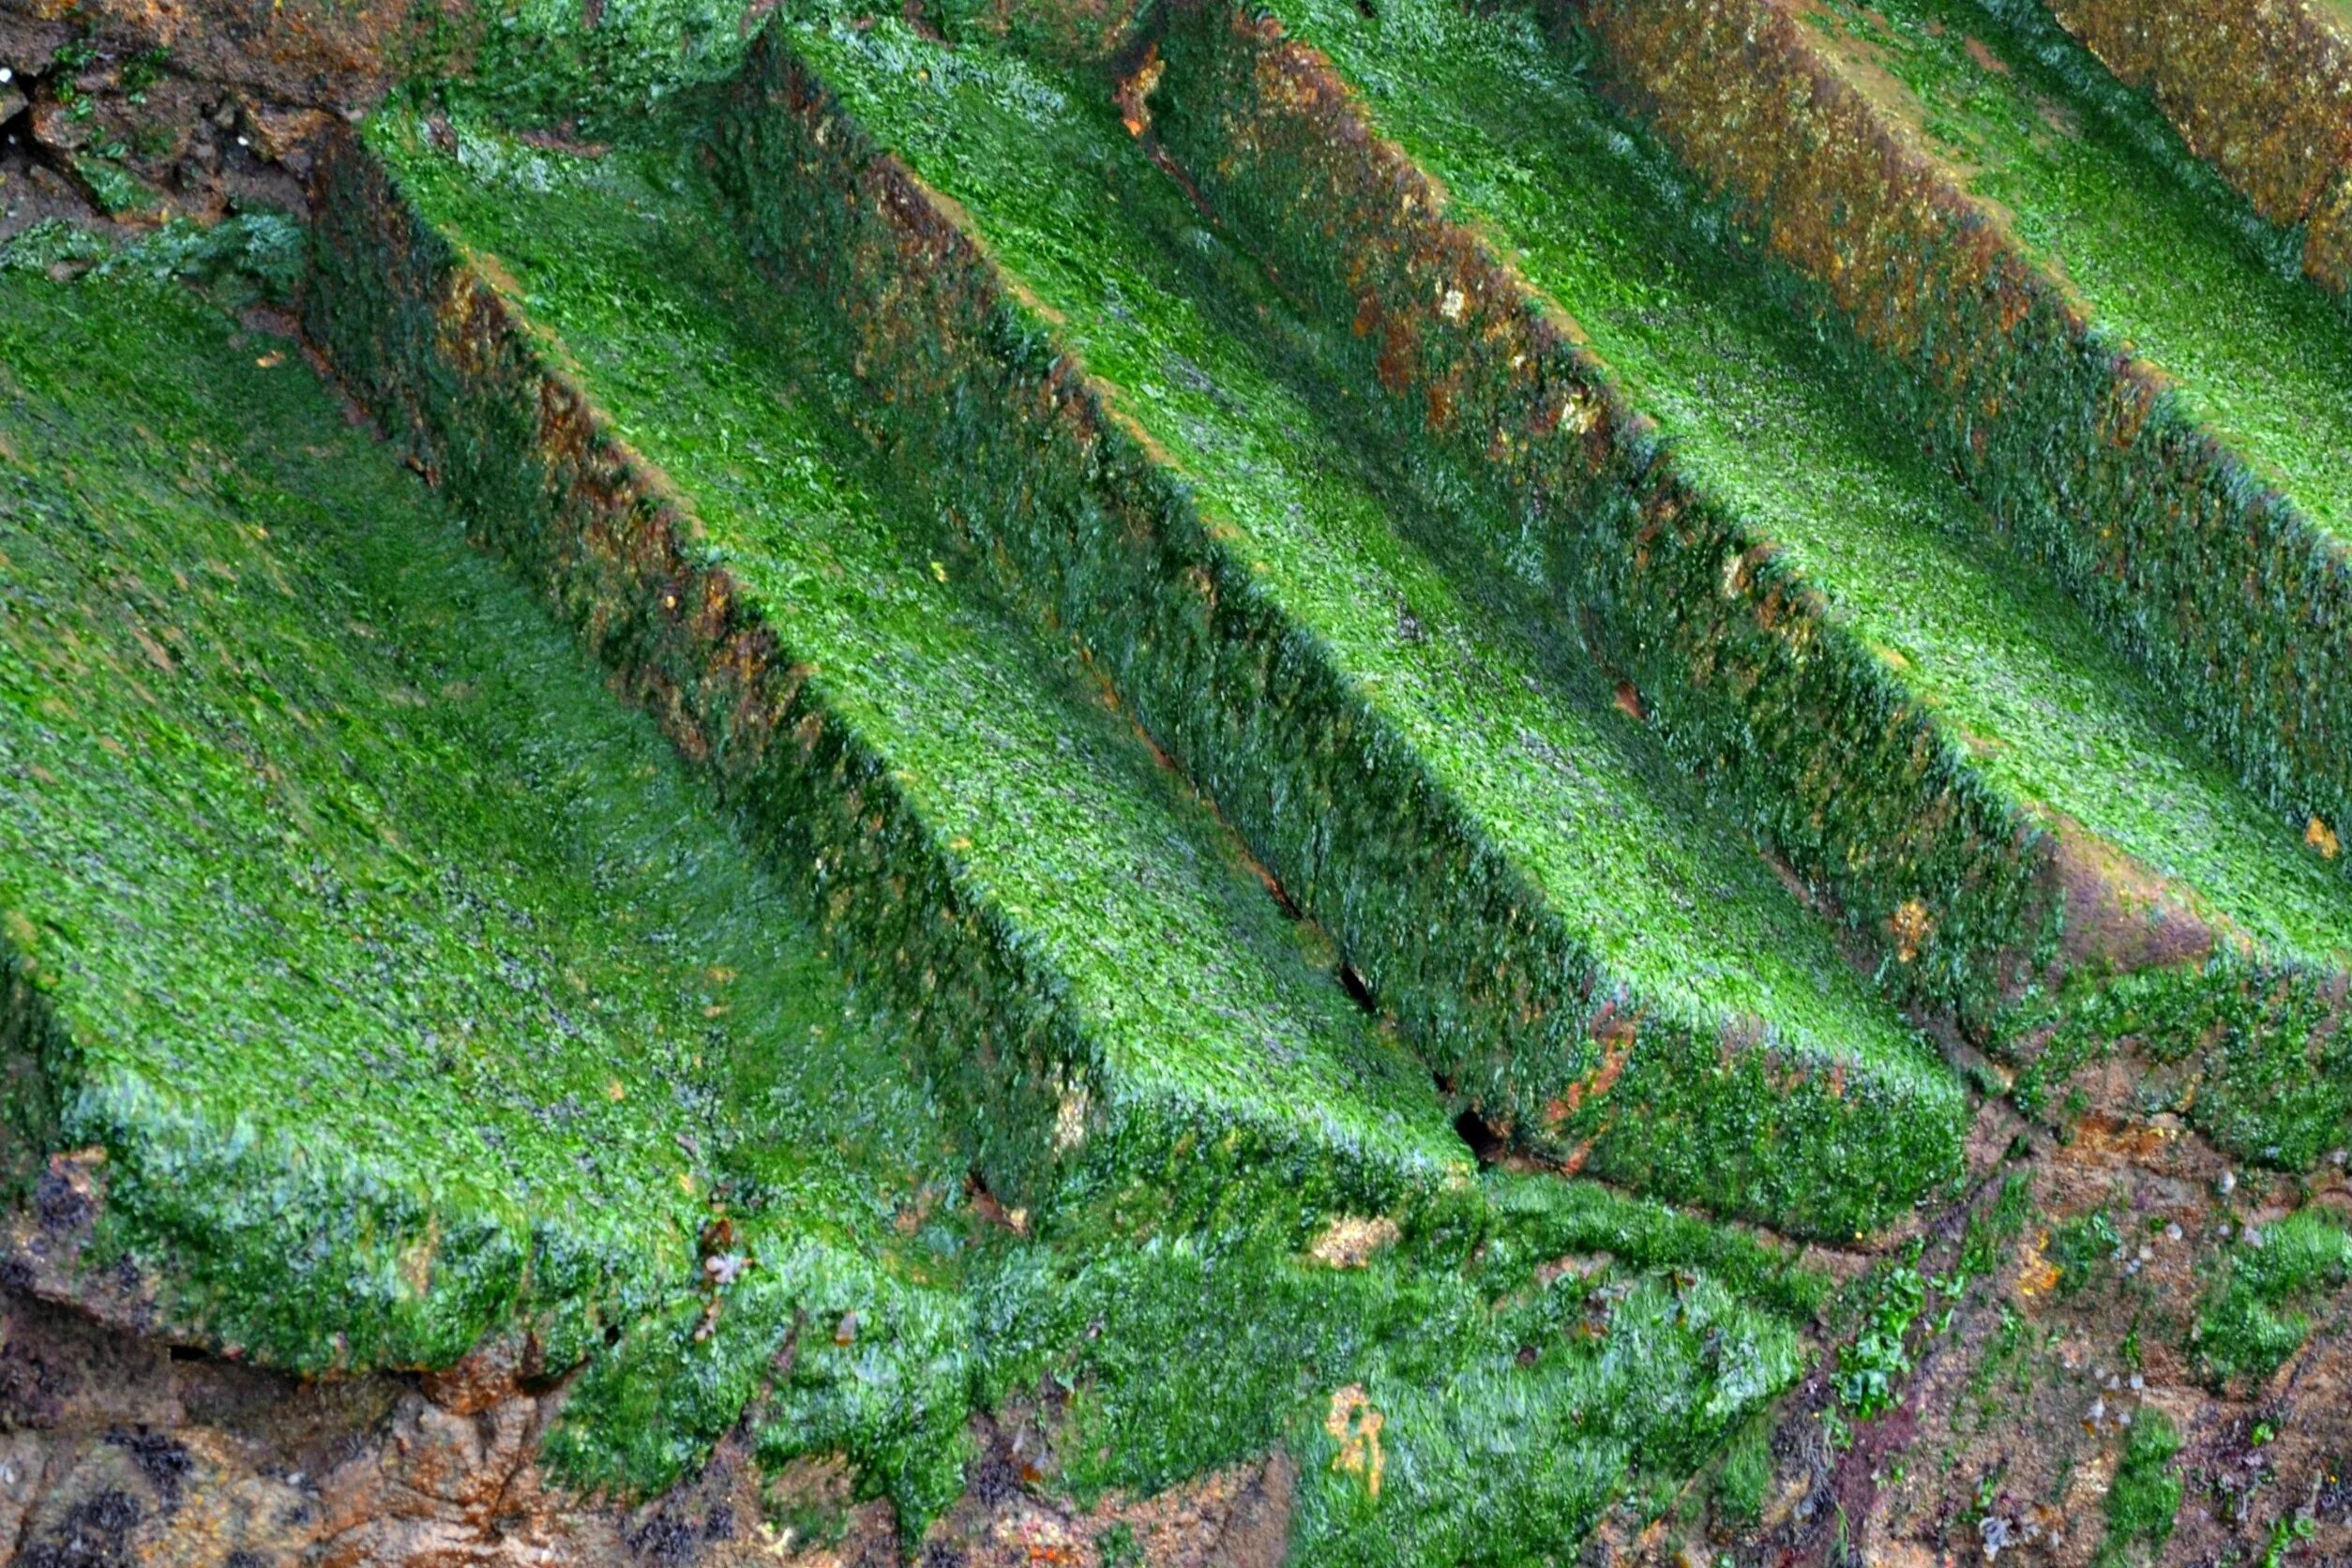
(928, 746)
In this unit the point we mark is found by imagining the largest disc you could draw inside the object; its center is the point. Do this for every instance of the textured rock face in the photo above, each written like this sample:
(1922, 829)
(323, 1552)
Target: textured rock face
(137, 112)
(1017, 783)
(117, 1449)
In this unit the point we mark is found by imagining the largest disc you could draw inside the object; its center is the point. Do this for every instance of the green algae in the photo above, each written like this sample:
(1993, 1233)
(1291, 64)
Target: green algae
(1211, 1011)
(1541, 1352)
(1171, 1348)
(2170, 261)
(593, 69)
(2145, 1499)
(1756, 409)
(408, 987)
(1526, 1375)
(2255, 1316)
(1516, 729)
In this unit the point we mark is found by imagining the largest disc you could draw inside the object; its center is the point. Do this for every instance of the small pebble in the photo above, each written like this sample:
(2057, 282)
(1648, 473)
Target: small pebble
(2138, 1382)
(2228, 1182)
(2172, 1231)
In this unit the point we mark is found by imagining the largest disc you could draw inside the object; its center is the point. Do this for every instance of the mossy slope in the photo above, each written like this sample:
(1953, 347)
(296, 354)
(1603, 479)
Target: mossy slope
(407, 985)
(1187, 1012)
(1695, 329)
(416, 993)
(2010, 260)
(1575, 945)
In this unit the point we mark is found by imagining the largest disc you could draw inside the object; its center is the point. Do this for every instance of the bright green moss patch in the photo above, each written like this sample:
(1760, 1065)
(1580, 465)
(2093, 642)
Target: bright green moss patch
(1675, 920)
(2257, 1315)
(402, 977)
(1761, 411)
(2170, 261)
(1211, 1014)
(2145, 1497)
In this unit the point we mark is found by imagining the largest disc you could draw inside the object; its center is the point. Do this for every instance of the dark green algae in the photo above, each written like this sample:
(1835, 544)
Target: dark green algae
(1513, 725)
(348, 945)
(409, 988)
(1755, 407)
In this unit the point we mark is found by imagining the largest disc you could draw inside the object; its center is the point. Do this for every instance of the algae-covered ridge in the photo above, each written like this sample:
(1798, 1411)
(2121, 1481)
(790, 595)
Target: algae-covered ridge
(404, 990)
(1754, 403)
(407, 986)
(2169, 261)
(1197, 991)
(1457, 667)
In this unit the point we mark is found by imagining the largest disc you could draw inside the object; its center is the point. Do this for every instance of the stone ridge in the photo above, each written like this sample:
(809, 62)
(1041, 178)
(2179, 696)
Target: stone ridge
(2194, 565)
(2279, 131)
(1506, 999)
(1449, 339)
(1032, 1069)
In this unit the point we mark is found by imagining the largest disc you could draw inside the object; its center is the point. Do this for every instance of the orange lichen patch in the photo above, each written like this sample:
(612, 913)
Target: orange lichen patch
(1356, 1427)
(2101, 1137)
(1912, 924)
(1348, 1242)
(1134, 92)
(1615, 1033)
(416, 1262)
(2320, 837)
(2036, 1275)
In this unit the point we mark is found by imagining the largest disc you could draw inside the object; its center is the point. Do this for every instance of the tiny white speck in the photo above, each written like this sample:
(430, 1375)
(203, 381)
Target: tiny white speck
(243, 143)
